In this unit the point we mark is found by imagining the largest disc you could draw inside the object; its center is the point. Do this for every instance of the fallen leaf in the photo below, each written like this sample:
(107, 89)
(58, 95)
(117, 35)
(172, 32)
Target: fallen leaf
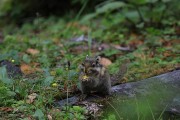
(135, 43)
(54, 111)
(6, 109)
(127, 48)
(105, 61)
(32, 51)
(31, 98)
(27, 69)
(80, 38)
(35, 64)
(84, 28)
(78, 26)
(167, 54)
(72, 24)
(135, 40)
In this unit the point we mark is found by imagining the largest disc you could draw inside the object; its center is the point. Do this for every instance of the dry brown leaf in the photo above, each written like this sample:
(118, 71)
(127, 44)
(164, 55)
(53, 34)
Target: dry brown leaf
(53, 111)
(167, 54)
(105, 61)
(27, 69)
(32, 51)
(35, 64)
(135, 42)
(30, 117)
(6, 109)
(31, 98)
(72, 24)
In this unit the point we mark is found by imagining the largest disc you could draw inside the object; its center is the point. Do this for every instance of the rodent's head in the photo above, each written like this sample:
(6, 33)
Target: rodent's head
(91, 65)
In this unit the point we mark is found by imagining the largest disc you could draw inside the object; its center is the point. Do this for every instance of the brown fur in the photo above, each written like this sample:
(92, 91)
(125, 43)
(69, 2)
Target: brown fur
(98, 78)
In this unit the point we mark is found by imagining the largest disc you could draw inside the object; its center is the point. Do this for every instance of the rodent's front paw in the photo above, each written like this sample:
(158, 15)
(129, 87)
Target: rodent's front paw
(82, 97)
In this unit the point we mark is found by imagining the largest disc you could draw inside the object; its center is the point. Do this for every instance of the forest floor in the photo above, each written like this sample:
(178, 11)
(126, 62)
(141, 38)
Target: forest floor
(43, 48)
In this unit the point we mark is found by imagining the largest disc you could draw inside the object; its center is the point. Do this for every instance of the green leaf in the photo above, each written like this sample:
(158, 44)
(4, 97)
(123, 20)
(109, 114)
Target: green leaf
(88, 17)
(77, 108)
(141, 2)
(26, 58)
(4, 77)
(39, 114)
(3, 72)
(166, 1)
(111, 117)
(110, 6)
(11, 93)
(48, 80)
(132, 15)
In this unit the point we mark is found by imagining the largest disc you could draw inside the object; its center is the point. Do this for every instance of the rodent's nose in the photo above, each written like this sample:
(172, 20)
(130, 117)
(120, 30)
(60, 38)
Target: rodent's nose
(86, 71)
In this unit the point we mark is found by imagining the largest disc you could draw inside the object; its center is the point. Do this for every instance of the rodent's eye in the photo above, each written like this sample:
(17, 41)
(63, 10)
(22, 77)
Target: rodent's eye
(81, 67)
(93, 64)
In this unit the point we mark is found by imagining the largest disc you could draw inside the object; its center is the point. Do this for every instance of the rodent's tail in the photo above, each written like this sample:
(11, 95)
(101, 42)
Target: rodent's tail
(116, 78)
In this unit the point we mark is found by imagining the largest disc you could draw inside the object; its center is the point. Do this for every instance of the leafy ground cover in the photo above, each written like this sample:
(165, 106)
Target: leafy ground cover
(49, 50)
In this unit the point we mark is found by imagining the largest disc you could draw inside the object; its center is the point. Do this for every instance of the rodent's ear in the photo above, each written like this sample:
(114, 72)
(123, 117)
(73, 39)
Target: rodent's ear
(98, 58)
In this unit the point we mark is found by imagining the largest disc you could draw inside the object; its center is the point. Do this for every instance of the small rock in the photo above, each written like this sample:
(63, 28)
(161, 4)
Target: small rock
(13, 71)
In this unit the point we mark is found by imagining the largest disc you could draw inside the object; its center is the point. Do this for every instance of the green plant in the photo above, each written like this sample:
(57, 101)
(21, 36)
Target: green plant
(6, 95)
(121, 23)
(74, 112)
(133, 13)
(141, 107)
(4, 77)
(39, 114)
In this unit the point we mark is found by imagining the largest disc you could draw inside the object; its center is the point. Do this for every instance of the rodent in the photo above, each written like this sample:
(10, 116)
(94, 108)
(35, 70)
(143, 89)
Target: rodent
(94, 76)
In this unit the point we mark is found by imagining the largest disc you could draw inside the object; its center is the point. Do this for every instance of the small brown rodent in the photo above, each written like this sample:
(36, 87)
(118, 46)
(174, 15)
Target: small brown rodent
(93, 76)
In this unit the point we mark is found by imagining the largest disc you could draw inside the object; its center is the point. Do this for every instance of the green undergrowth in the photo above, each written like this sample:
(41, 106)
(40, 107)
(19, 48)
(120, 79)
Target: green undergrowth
(153, 52)
(138, 107)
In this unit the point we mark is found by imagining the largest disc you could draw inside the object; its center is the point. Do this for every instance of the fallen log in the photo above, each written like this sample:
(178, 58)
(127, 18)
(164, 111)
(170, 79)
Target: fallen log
(168, 83)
